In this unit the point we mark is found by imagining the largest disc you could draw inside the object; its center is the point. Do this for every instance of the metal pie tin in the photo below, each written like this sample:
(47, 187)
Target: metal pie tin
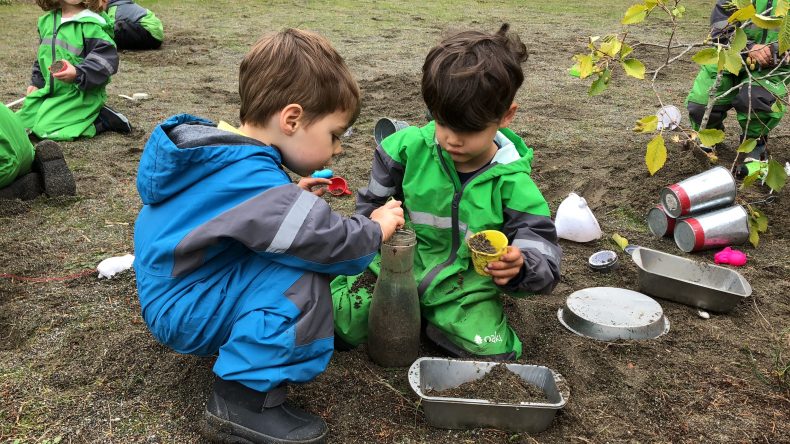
(603, 261)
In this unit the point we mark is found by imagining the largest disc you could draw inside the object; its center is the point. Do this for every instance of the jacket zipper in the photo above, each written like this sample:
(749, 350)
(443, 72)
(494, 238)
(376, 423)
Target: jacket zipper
(55, 29)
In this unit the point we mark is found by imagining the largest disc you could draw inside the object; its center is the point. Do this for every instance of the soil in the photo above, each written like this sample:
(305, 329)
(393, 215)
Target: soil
(78, 364)
(57, 66)
(481, 244)
(499, 385)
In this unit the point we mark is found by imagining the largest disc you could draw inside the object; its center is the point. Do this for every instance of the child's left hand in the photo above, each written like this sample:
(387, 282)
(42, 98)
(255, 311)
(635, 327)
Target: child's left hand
(67, 75)
(507, 267)
(307, 184)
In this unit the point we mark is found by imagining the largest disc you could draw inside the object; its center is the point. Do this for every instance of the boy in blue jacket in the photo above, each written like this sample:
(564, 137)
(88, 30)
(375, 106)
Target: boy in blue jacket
(234, 259)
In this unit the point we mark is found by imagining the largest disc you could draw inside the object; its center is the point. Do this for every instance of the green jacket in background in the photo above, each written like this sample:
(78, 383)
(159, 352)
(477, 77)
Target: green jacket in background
(65, 111)
(411, 166)
(16, 151)
(135, 27)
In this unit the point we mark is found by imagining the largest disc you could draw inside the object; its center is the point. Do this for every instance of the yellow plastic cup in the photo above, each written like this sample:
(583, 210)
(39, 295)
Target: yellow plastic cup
(481, 259)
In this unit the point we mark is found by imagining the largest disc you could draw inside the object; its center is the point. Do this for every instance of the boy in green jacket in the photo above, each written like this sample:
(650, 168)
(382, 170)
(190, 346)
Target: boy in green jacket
(460, 174)
(135, 27)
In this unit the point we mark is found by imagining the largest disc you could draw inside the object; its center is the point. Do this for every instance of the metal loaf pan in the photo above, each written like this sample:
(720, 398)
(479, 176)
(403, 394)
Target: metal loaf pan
(689, 282)
(461, 413)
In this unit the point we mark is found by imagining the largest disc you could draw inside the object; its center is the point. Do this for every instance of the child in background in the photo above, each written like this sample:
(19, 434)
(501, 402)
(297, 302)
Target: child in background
(135, 27)
(76, 57)
(234, 259)
(460, 174)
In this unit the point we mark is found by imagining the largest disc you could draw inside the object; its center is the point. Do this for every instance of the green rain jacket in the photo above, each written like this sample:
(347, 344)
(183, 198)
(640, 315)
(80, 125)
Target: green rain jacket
(16, 151)
(65, 111)
(411, 166)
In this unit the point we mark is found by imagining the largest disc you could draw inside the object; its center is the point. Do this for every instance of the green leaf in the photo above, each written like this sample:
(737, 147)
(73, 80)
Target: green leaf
(778, 107)
(611, 46)
(739, 41)
(732, 61)
(650, 4)
(600, 84)
(784, 35)
(656, 154)
(754, 236)
(766, 22)
(743, 14)
(625, 50)
(747, 146)
(646, 124)
(750, 179)
(776, 177)
(710, 137)
(761, 223)
(707, 56)
(634, 14)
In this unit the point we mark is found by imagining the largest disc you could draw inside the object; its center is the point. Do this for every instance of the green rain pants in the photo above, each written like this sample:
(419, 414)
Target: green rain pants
(763, 119)
(16, 151)
(475, 322)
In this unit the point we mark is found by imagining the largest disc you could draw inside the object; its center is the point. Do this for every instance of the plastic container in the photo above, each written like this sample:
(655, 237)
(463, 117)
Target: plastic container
(462, 413)
(394, 319)
(386, 127)
(669, 117)
(706, 191)
(338, 186)
(480, 259)
(575, 221)
(720, 228)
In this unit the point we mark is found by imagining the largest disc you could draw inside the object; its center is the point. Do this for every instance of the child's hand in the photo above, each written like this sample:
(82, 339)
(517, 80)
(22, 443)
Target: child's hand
(507, 267)
(761, 54)
(30, 89)
(389, 217)
(307, 184)
(67, 75)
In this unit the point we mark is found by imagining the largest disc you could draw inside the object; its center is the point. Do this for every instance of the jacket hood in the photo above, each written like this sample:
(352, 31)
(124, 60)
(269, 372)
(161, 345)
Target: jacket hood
(186, 149)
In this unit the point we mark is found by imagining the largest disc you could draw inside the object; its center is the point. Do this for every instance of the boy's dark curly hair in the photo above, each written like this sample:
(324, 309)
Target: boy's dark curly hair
(470, 79)
(93, 5)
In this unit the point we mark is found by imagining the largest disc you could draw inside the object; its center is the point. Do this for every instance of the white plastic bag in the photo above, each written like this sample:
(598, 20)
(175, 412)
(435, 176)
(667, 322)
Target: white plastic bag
(113, 265)
(575, 221)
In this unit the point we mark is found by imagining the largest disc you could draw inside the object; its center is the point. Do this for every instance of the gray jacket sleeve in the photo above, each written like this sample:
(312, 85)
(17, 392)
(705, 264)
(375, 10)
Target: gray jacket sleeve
(37, 79)
(720, 28)
(100, 62)
(386, 177)
(536, 237)
(290, 226)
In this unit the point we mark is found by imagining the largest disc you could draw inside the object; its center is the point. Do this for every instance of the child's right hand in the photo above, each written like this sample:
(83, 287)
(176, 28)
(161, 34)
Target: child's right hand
(30, 89)
(389, 217)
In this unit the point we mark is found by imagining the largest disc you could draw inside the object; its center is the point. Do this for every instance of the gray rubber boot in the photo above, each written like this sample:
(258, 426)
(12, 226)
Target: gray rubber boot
(238, 414)
(56, 177)
(440, 339)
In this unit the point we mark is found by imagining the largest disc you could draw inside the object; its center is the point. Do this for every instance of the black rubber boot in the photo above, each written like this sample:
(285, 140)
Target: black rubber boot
(56, 177)
(440, 339)
(26, 187)
(236, 413)
(111, 120)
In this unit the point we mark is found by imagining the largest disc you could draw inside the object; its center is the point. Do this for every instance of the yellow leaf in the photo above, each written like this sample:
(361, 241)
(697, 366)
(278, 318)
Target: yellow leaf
(743, 14)
(585, 66)
(782, 7)
(634, 14)
(710, 137)
(650, 4)
(611, 46)
(625, 50)
(784, 35)
(739, 41)
(732, 61)
(754, 237)
(766, 22)
(656, 154)
(634, 68)
(707, 56)
(646, 124)
(747, 146)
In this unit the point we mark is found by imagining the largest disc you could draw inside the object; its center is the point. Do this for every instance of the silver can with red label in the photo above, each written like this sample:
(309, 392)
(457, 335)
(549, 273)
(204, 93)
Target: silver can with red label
(720, 228)
(705, 191)
(660, 223)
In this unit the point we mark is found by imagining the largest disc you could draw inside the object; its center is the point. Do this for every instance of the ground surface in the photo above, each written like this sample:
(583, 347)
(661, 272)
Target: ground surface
(77, 364)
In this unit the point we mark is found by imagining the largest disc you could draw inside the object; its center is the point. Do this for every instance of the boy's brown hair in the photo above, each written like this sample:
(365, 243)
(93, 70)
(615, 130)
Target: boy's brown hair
(295, 66)
(469, 80)
(93, 5)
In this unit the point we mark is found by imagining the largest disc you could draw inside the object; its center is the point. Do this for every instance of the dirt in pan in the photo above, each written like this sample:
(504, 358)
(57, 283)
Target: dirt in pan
(499, 385)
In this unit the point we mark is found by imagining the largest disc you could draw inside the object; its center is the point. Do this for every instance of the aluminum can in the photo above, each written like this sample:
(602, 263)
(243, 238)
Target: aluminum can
(719, 228)
(705, 191)
(385, 127)
(660, 223)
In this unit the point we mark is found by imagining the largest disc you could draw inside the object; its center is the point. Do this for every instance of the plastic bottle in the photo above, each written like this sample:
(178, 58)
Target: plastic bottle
(394, 319)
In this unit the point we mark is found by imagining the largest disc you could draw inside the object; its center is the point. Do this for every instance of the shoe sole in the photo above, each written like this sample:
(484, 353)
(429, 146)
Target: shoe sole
(220, 430)
(55, 174)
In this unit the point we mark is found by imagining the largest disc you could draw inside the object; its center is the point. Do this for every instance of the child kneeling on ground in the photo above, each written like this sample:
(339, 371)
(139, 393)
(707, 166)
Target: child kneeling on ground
(234, 259)
(75, 60)
(460, 174)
